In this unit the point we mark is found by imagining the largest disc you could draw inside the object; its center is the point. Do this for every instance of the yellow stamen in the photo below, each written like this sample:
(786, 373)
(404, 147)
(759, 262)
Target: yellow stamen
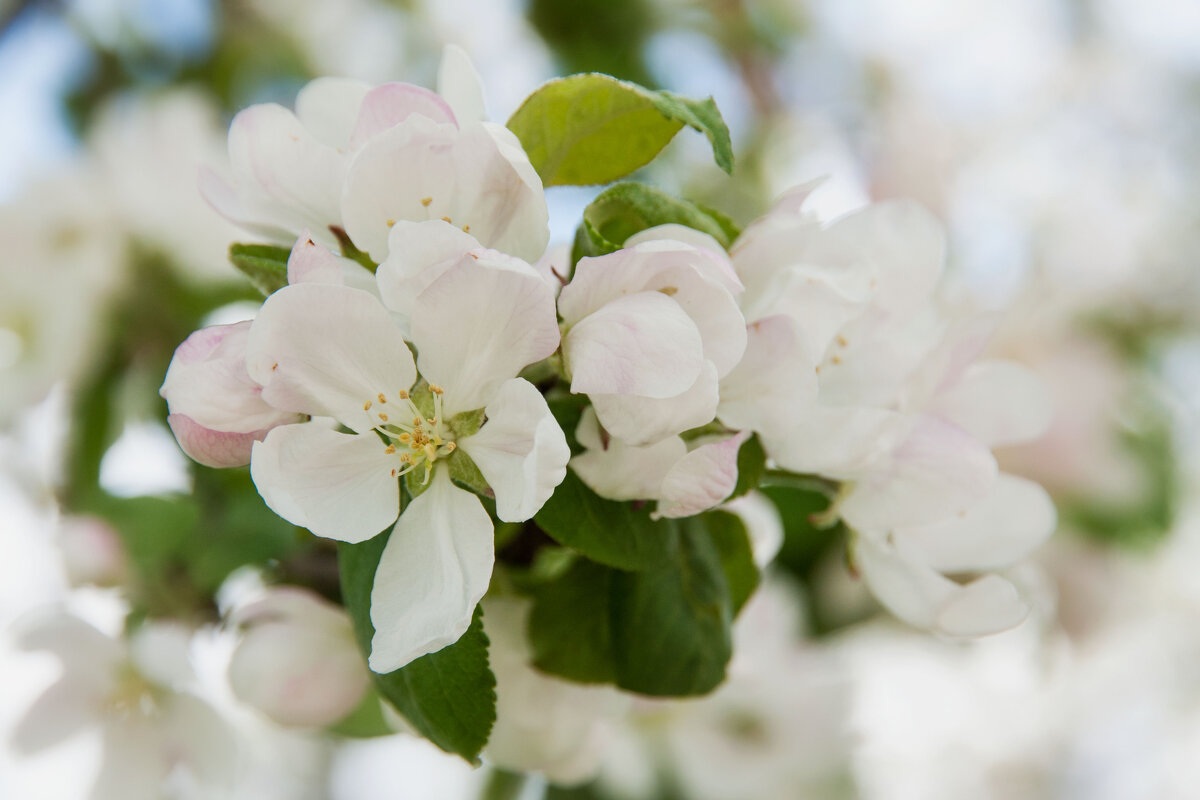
(383, 417)
(425, 201)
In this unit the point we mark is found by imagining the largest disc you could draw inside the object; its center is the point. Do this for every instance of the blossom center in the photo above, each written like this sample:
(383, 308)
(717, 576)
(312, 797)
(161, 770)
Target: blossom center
(419, 440)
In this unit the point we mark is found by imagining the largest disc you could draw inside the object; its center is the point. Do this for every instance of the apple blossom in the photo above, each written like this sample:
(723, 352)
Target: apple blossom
(334, 351)
(650, 331)
(359, 159)
(297, 661)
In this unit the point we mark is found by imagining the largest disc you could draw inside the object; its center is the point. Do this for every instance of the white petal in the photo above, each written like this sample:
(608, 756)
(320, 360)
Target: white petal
(310, 262)
(479, 179)
(326, 350)
(418, 254)
(208, 382)
(214, 448)
(434, 571)
(764, 525)
(265, 219)
(999, 530)
(836, 441)
(338, 485)
(619, 471)
(520, 450)
(280, 168)
(687, 275)
(483, 321)
(459, 84)
(997, 402)
(642, 344)
(923, 598)
(701, 479)
(716, 267)
(328, 107)
(643, 420)
(937, 472)
(391, 104)
(820, 300)
(772, 382)
(62, 710)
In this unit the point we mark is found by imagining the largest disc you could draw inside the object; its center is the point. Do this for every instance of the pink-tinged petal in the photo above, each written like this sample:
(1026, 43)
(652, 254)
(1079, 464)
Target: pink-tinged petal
(1001, 529)
(642, 344)
(923, 598)
(478, 180)
(390, 104)
(284, 175)
(62, 710)
(434, 570)
(771, 384)
(715, 266)
(520, 450)
(208, 382)
(937, 472)
(327, 351)
(643, 420)
(677, 270)
(459, 84)
(214, 448)
(418, 254)
(311, 262)
(834, 441)
(483, 321)
(701, 479)
(328, 108)
(338, 485)
(619, 471)
(997, 402)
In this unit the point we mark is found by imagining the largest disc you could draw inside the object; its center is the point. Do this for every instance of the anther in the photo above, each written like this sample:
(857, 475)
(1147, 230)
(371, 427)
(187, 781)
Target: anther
(393, 473)
(382, 398)
(391, 222)
(451, 447)
(425, 201)
(391, 448)
(383, 417)
(466, 228)
(433, 387)
(367, 406)
(447, 219)
(405, 437)
(403, 394)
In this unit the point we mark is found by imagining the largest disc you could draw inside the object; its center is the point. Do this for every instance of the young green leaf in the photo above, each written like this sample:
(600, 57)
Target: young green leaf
(607, 531)
(449, 696)
(729, 536)
(751, 464)
(264, 264)
(570, 628)
(627, 208)
(592, 128)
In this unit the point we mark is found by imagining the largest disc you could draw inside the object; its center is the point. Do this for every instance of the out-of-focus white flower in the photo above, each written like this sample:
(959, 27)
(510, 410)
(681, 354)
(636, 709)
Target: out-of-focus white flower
(135, 693)
(334, 351)
(92, 552)
(361, 159)
(650, 331)
(543, 724)
(297, 661)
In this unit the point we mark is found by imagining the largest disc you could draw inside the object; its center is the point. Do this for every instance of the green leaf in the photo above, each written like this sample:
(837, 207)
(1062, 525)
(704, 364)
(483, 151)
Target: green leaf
(449, 697)
(610, 532)
(661, 631)
(732, 542)
(366, 721)
(592, 128)
(752, 466)
(570, 628)
(264, 264)
(465, 472)
(671, 625)
(627, 208)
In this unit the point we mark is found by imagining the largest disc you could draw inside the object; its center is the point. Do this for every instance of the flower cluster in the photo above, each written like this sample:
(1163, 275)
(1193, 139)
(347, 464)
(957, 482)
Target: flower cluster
(399, 375)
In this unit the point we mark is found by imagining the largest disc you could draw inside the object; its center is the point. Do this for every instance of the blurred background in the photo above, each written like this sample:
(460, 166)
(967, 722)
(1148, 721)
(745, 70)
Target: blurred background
(1059, 141)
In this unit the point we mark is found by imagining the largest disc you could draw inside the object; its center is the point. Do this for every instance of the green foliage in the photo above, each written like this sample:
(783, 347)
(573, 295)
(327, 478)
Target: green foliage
(663, 630)
(751, 464)
(366, 721)
(449, 697)
(592, 128)
(596, 35)
(613, 533)
(627, 208)
(264, 264)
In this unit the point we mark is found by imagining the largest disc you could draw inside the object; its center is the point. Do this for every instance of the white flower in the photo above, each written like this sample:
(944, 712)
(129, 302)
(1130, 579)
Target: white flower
(650, 331)
(134, 693)
(334, 351)
(297, 661)
(684, 482)
(543, 724)
(361, 159)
